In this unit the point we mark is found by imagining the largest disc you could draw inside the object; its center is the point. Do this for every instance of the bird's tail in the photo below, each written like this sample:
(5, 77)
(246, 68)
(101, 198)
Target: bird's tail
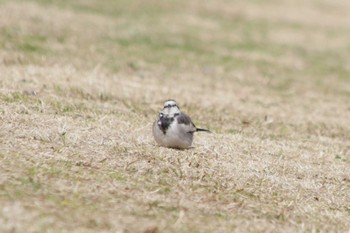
(203, 130)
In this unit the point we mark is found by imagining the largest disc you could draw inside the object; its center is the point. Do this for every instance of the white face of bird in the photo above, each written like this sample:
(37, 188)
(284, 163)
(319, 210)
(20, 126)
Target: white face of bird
(170, 108)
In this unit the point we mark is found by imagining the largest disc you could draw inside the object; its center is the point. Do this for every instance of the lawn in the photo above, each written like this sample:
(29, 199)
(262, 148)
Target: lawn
(82, 81)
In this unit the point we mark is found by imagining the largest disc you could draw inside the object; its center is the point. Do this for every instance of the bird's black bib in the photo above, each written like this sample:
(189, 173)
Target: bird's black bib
(164, 123)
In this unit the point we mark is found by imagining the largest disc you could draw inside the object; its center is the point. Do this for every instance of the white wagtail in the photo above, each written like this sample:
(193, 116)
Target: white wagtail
(173, 128)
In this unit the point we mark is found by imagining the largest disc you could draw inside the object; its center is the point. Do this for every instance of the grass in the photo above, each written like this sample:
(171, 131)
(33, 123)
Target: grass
(81, 83)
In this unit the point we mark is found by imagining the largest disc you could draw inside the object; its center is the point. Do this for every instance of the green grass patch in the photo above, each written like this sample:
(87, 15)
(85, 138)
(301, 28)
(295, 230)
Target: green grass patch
(14, 38)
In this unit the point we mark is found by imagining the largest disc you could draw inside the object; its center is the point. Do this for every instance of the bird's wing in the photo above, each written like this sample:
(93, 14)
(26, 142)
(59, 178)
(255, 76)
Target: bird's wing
(186, 121)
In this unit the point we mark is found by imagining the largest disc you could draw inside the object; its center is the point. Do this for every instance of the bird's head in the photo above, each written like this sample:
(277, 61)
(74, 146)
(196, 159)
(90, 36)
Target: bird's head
(170, 108)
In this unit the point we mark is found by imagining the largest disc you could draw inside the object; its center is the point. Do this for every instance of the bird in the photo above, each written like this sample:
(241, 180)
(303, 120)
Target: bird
(174, 129)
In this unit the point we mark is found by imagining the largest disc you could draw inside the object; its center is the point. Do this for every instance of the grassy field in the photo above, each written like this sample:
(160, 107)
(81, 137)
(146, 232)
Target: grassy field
(82, 81)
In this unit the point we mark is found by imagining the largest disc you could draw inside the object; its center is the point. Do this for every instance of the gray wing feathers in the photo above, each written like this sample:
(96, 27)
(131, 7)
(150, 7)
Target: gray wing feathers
(186, 120)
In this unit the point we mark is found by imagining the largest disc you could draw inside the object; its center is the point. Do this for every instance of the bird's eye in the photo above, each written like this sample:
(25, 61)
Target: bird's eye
(161, 114)
(176, 114)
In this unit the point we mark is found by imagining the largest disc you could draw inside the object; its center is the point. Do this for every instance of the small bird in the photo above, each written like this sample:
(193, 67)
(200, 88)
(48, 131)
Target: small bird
(173, 128)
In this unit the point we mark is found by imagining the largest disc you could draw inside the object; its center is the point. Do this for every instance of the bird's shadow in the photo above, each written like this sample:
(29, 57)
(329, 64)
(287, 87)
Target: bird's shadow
(180, 149)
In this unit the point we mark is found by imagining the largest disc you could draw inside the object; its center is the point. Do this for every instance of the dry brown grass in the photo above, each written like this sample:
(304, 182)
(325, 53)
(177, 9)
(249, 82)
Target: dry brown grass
(82, 81)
